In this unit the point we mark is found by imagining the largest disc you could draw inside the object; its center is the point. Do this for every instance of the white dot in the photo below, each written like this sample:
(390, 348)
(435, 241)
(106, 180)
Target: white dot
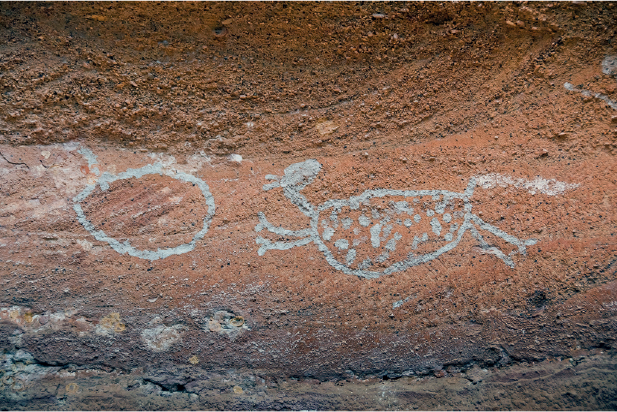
(342, 244)
(347, 222)
(364, 221)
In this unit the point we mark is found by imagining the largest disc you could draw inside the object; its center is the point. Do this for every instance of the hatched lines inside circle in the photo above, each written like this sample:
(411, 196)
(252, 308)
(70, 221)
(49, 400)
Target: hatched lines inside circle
(104, 181)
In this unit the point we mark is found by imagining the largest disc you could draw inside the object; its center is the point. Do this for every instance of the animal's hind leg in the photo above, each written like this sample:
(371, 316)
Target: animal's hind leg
(277, 230)
(491, 249)
(521, 244)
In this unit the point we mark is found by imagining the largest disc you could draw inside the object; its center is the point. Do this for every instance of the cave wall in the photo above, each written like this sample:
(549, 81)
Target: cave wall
(207, 200)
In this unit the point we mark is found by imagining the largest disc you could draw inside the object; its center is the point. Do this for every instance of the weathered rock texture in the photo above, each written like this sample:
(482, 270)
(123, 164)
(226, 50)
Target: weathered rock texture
(119, 123)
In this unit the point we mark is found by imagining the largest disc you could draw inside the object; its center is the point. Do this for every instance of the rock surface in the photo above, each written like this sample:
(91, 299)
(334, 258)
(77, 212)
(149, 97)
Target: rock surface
(166, 240)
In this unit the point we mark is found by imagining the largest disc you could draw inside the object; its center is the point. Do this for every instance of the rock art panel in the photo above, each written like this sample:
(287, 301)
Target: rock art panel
(388, 219)
(103, 182)
(392, 99)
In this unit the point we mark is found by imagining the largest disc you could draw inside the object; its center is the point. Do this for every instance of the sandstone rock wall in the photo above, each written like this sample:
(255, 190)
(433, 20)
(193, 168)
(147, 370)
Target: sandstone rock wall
(206, 197)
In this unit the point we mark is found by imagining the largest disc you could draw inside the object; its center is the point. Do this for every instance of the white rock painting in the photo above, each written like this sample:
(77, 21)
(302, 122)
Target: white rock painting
(609, 67)
(106, 178)
(437, 220)
(549, 187)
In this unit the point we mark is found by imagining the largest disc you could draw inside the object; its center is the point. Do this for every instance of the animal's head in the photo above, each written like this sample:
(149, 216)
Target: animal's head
(297, 176)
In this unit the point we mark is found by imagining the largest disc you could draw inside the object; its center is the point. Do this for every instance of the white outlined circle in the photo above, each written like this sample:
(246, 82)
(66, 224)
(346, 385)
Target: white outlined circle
(156, 169)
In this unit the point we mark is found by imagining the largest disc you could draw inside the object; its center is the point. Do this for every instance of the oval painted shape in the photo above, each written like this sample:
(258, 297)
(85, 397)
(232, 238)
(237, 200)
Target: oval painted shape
(149, 213)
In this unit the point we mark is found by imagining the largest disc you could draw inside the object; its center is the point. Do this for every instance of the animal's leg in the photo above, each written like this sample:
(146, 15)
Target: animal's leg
(268, 245)
(521, 244)
(277, 230)
(306, 234)
(492, 250)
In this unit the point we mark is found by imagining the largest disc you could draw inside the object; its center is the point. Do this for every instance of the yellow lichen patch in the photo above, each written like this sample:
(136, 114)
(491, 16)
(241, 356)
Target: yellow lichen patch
(214, 326)
(96, 17)
(35, 322)
(18, 385)
(238, 390)
(227, 323)
(72, 388)
(326, 127)
(110, 320)
(111, 323)
(194, 360)
(14, 316)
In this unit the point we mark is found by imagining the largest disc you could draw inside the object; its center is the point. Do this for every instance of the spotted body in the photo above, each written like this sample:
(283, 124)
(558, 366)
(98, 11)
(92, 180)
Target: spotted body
(376, 232)
(381, 231)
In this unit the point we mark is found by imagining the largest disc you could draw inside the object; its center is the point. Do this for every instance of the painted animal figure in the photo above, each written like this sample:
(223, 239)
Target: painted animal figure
(381, 231)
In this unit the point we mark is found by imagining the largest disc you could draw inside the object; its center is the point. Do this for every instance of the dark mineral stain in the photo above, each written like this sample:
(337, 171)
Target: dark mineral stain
(538, 299)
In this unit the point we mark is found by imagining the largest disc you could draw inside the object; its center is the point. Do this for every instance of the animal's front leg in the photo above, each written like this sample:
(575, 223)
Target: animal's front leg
(306, 234)
(268, 245)
(277, 230)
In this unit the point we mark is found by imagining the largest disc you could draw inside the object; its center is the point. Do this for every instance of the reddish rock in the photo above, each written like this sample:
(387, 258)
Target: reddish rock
(183, 185)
